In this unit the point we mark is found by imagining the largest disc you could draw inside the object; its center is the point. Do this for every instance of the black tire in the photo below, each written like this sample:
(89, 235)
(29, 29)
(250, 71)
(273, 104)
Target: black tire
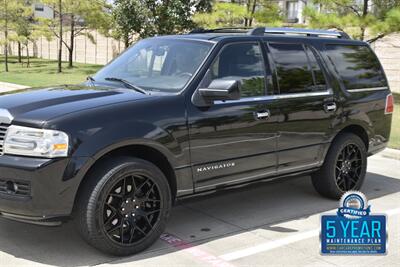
(344, 168)
(125, 222)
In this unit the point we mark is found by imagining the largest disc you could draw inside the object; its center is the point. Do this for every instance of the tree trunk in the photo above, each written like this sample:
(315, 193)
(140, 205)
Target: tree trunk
(247, 19)
(253, 10)
(19, 52)
(364, 14)
(6, 35)
(28, 63)
(126, 41)
(71, 43)
(60, 36)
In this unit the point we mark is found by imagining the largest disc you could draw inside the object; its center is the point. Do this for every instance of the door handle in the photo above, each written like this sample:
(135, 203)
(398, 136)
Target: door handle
(330, 107)
(262, 115)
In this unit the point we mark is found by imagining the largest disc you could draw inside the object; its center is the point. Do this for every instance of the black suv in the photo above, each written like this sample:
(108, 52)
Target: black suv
(174, 116)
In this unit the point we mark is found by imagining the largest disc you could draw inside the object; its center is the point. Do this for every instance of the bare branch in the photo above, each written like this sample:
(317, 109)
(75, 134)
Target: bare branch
(352, 8)
(66, 45)
(77, 32)
(376, 38)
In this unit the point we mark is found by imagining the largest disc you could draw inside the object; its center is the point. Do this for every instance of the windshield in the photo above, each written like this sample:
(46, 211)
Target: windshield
(157, 64)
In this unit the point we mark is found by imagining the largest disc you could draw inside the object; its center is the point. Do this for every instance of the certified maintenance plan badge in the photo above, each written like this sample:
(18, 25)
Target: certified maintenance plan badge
(353, 230)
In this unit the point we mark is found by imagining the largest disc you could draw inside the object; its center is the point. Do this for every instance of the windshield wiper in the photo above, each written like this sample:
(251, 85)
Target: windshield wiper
(127, 84)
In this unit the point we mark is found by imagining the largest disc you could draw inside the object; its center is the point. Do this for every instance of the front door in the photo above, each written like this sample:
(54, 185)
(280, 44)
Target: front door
(235, 141)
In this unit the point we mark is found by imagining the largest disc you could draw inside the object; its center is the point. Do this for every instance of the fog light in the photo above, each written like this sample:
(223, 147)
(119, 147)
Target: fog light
(11, 187)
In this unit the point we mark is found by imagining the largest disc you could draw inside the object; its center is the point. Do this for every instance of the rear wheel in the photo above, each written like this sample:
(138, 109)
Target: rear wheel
(125, 206)
(344, 167)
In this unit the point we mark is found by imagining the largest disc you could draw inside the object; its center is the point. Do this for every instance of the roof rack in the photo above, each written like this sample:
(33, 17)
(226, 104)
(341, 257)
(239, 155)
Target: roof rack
(308, 32)
(260, 31)
(222, 30)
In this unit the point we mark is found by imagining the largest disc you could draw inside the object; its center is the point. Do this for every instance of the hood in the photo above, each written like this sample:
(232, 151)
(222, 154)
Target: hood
(37, 106)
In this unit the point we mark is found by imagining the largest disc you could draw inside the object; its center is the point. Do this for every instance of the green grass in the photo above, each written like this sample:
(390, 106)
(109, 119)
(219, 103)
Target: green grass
(43, 72)
(395, 134)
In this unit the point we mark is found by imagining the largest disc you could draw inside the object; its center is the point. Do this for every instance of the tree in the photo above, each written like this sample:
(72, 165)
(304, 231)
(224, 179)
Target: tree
(9, 11)
(55, 26)
(361, 19)
(24, 28)
(131, 18)
(77, 16)
(269, 14)
(238, 14)
(5, 18)
(143, 18)
(222, 15)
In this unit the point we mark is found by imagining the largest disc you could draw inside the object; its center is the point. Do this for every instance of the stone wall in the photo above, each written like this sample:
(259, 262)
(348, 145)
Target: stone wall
(388, 51)
(101, 52)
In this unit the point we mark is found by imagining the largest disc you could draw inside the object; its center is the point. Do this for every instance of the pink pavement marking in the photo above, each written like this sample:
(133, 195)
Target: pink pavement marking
(196, 252)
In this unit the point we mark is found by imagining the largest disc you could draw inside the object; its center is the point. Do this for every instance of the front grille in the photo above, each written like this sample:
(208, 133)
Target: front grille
(15, 188)
(3, 131)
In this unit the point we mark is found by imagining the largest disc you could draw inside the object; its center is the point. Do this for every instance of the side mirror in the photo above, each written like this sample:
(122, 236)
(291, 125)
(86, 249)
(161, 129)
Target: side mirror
(220, 89)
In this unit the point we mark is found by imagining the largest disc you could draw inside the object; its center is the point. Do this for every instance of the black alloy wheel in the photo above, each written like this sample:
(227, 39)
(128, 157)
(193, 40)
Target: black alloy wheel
(131, 209)
(344, 167)
(124, 206)
(348, 167)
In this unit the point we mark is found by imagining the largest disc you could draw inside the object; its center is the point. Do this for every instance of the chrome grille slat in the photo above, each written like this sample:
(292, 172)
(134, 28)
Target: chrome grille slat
(3, 131)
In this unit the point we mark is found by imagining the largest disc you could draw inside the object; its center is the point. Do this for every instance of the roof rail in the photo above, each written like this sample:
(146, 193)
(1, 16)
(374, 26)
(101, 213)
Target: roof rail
(221, 30)
(308, 32)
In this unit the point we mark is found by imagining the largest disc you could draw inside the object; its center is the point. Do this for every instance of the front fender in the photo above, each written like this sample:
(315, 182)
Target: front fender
(98, 143)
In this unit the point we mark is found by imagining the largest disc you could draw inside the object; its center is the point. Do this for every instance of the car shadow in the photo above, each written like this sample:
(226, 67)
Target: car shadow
(197, 220)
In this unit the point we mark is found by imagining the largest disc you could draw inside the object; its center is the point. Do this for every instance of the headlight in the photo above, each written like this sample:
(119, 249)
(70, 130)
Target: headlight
(26, 141)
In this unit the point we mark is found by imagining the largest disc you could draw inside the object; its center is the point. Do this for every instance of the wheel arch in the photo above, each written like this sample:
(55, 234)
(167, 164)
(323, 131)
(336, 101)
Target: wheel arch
(141, 151)
(356, 129)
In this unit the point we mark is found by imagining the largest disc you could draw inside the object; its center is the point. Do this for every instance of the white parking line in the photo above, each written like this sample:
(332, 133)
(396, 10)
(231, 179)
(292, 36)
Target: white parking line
(282, 242)
(268, 246)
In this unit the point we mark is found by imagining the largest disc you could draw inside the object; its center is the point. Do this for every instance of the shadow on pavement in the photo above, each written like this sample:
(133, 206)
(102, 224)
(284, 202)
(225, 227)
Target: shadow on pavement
(198, 220)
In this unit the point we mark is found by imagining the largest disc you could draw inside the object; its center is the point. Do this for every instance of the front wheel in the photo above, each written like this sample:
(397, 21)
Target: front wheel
(124, 206)
(344, 168)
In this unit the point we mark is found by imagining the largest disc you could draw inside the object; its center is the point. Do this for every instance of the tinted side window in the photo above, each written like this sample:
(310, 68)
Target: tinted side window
(357, 66)
(295, 74)
(241, 61)
(319, 78)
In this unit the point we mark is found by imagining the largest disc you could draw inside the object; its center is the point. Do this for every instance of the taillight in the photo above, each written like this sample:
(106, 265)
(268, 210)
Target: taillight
(389, 107)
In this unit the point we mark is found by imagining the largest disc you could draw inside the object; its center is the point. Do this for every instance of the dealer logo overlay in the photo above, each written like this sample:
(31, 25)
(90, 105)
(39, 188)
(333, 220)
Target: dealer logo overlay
(353, 230)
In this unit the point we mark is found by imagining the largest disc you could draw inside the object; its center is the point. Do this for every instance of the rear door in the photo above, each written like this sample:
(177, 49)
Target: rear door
(234, 141)
(306, 103)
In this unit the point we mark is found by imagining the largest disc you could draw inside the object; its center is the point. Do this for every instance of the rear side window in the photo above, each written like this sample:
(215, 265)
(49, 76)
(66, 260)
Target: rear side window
(297, 69)
(357, 66)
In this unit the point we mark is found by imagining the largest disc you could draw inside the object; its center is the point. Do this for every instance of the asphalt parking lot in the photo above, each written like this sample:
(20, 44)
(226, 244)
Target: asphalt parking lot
(267, 223)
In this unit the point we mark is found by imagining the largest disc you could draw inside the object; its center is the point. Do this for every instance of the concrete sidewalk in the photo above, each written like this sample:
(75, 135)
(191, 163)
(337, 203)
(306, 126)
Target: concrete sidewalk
(4, 87)
(391, 153)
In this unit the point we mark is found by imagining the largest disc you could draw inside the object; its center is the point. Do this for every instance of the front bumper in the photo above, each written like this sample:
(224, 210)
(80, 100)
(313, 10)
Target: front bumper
(53, 184)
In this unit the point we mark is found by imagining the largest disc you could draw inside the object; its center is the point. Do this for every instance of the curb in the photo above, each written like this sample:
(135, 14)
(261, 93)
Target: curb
(4, 87)
(391, 153)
